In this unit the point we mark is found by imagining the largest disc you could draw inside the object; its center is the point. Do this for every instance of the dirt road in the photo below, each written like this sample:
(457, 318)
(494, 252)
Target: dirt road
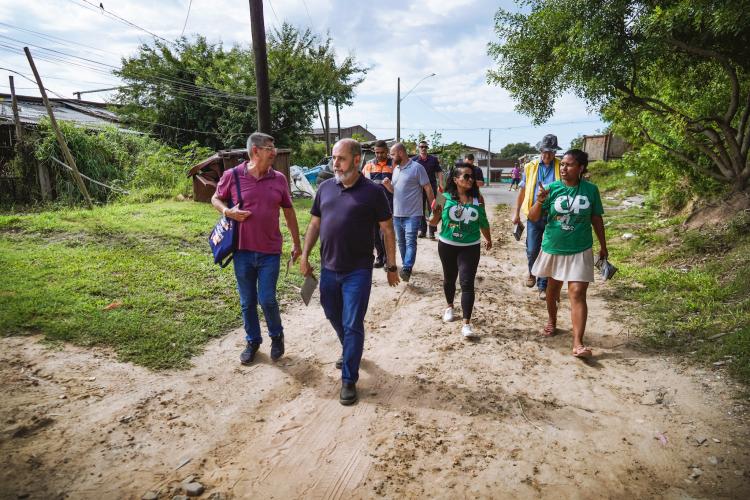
(511, 415)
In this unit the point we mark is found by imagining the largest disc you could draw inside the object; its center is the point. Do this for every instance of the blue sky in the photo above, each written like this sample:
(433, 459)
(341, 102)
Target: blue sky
(410, 39)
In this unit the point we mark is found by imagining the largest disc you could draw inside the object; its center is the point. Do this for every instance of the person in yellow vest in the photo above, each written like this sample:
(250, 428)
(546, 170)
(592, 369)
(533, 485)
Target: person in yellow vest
(542, 171)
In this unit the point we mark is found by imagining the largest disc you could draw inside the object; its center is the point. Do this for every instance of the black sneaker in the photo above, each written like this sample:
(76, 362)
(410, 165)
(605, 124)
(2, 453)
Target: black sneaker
(248, 355)
(340, 363)
(421, 235)
(277, 347)
(348, 394)
(404, 274)
(378, 263)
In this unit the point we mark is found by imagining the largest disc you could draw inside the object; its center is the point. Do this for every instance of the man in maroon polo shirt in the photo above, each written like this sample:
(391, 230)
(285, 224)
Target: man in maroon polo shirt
(258, 256)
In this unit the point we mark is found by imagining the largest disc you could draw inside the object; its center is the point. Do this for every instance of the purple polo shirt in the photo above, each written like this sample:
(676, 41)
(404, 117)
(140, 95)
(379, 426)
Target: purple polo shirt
(431, 166)
(263, 197)
(347, 217)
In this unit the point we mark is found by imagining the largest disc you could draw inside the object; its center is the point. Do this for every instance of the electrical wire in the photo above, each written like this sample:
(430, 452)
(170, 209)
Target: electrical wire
(186, 18)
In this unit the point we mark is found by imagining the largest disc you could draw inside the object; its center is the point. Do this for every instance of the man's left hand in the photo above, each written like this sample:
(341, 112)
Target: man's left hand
(296, 252)
(393, 279)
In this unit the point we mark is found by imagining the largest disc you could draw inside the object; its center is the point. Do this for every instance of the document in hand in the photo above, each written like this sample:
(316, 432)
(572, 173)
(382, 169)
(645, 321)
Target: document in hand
(518, 231)
(308, 287)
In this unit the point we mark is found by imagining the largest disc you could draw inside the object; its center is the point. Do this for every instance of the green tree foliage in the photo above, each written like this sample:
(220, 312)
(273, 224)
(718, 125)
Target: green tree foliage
(515, 149)
(673, 74)
(577, 142)
(308, 153)
(137, 163)
(198, 91)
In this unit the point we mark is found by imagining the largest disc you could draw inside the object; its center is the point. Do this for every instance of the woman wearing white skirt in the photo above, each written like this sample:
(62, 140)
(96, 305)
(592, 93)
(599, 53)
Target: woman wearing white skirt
(573, 206)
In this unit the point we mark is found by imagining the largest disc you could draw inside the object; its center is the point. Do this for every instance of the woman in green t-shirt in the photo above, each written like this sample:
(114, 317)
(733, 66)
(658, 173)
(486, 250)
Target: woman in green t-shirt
(463, 222)
(573, 206)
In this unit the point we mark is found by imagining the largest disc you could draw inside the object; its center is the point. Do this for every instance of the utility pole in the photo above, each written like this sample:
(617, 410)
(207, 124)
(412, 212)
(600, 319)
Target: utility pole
(60, 139)
(44, 184)
(261, 66)
(338, 118)
(489, 157)
(398, 110)
(327, 129)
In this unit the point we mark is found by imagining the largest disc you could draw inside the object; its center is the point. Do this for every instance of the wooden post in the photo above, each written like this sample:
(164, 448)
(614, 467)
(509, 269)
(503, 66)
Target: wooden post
(489, 157)
(338, 119)
(22, 150)
(327, 129)
(258, 31)
(60, 139)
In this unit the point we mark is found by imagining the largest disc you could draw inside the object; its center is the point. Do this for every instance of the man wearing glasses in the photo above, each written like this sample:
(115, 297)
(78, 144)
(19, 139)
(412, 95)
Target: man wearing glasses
(258, 255)
(435, 174)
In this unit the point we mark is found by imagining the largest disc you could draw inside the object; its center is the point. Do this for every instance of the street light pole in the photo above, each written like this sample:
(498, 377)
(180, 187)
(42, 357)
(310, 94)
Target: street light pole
(398, 109)
(399, 99)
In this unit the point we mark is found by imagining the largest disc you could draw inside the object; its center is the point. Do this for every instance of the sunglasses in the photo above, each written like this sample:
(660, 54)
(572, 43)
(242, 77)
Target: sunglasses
(466, 177)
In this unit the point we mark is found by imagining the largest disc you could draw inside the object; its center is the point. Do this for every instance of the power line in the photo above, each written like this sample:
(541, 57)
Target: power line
(111, 14)
(274, 12)
(186, 18)
(308, 13)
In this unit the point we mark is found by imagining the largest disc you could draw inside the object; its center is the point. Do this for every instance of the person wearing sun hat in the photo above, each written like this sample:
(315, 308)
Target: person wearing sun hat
(539, 172)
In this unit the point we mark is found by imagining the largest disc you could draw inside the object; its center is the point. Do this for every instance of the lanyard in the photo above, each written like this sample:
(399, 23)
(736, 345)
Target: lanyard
(545, 174)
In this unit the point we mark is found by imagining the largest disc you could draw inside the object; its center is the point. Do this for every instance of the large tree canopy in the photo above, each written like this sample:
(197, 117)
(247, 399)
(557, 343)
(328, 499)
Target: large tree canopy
(197, 91)
(672, 74)
(513, 150)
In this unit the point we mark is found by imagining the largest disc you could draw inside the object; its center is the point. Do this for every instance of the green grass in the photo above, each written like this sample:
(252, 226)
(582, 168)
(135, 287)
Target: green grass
(63, 267)
(685, 286)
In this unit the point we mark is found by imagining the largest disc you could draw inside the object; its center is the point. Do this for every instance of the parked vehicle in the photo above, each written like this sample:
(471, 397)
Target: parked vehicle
(368, 154)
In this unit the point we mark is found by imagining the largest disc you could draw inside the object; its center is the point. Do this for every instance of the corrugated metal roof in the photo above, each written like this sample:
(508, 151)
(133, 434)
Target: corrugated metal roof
(31, 110)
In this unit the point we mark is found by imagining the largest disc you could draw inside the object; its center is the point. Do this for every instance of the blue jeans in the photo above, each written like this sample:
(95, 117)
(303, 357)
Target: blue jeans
(534, 233)
(344, 297)
(406, 237)
(257, 274)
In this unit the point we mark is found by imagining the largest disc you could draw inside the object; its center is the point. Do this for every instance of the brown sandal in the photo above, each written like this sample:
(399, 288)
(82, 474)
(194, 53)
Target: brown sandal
(550, 329)
(582, 351)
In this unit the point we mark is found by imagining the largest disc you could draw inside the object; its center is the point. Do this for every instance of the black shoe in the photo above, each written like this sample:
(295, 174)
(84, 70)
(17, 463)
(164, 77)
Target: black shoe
(277, 347)
(348, 395)
(378, 263)
(339, 363)
(432, 237)
(421, 235)
(248, 355)
(404, 274)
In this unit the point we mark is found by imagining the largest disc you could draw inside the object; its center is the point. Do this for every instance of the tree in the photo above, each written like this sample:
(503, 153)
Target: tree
(196, 91)
(577, 142)
(515, 149)
(672, 74)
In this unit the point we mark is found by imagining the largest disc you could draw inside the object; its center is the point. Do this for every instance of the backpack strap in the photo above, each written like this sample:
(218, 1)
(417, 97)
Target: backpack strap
(237, 186)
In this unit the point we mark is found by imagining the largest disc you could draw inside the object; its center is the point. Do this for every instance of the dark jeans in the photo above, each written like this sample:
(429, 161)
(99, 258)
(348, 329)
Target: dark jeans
(461, 262)
(426, 209)
(344, 297)
(379, 243)
(406, 229)
(257, 274)
(534, 234)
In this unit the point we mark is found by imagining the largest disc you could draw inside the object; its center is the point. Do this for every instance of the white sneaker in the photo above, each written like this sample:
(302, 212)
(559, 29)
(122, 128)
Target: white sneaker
(467, 332)
(448, 315)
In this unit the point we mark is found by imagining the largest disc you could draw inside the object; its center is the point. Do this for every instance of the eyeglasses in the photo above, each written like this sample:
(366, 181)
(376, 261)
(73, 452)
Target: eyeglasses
(267, 148)
(466, 177)
(422, 147)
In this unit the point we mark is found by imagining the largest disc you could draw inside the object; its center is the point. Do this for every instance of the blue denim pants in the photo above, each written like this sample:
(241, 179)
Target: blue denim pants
(257, 274)
(406, 237)
(534, 234)
(344, 297)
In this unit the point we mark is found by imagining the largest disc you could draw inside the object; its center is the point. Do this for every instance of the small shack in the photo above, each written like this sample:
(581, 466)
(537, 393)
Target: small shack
(206, 174)
(605, 146)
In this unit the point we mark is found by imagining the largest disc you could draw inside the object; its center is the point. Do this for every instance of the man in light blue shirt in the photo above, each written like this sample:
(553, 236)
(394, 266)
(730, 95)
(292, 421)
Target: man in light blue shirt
(409, 180)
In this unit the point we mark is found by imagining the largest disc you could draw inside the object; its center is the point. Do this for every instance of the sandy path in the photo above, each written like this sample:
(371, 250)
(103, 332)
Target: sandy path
(512, 415)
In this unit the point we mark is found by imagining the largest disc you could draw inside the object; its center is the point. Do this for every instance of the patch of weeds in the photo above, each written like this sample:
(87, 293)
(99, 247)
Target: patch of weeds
(692, 288)
(135, 277)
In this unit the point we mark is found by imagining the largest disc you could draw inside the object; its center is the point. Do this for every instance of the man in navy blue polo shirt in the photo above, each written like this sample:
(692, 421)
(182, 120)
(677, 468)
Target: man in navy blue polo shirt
(343, 214)
(435, 173)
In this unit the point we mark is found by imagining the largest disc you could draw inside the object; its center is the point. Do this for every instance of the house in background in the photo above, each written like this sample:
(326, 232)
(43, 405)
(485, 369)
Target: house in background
(86, 114)
(605, 146)
(317, 134)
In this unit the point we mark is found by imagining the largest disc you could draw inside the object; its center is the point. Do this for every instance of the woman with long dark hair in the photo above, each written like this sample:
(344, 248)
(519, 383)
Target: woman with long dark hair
(574, 207)
(463, 222)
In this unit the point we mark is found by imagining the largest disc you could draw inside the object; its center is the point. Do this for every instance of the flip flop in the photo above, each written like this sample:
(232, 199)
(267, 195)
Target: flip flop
(549, 330)
(582, 351)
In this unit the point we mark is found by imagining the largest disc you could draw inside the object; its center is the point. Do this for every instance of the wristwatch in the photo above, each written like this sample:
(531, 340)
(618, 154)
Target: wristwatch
(390, 269)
